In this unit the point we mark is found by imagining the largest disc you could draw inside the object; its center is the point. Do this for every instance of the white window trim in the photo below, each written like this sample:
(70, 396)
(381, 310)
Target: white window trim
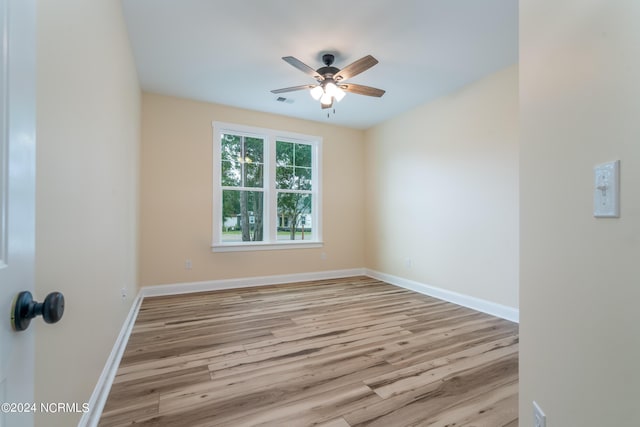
(269, 242)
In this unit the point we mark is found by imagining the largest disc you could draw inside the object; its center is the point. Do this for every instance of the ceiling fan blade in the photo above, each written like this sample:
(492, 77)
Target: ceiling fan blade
(362, 90)
(293, 88)
(303, 67)
(355, 68)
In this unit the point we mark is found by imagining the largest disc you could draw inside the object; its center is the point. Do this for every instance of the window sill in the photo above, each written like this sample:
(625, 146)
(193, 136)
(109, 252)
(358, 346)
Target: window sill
(271, 246)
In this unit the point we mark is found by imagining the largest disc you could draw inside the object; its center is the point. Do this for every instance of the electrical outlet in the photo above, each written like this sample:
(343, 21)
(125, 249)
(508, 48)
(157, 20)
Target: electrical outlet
(408, 263)
(123, 293)
(539, 418)
(188, 265)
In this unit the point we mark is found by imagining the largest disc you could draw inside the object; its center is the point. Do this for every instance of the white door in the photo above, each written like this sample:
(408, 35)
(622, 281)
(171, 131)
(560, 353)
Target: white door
(17, 194)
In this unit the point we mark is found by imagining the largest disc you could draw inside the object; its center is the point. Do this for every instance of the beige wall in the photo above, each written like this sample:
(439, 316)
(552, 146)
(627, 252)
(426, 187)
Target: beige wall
(176, 196)
(88, 118)
(579, 289)
(442, 192)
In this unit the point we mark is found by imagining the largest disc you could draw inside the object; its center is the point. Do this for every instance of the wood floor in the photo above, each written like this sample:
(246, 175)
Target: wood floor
(334, 353)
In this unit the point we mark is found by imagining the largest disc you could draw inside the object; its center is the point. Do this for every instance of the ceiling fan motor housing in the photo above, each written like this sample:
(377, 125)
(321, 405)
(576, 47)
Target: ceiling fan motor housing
(327, 71)
(327, 59)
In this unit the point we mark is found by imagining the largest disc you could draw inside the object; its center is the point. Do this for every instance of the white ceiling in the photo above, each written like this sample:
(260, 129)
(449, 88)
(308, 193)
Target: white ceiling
(229, 52)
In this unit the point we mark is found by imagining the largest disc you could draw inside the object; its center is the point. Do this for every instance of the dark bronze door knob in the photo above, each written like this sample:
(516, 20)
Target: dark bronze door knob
(25, 308)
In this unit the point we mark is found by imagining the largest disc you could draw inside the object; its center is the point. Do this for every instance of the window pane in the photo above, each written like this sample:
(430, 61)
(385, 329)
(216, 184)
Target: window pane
(231, 174)
(230, 147)
(230, 151)
(303, 177)
(242, 213)
(303, 155)
(285, 178)
(294, 216)
(284, 153)
(253, 175)
(242, 161)
(253, 149)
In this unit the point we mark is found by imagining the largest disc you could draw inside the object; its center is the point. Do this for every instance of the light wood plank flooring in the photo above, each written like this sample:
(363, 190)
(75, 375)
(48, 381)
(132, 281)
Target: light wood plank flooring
(332, 353)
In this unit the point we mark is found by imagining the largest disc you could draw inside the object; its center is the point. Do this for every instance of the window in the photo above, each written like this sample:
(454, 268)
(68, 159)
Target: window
(266, 189)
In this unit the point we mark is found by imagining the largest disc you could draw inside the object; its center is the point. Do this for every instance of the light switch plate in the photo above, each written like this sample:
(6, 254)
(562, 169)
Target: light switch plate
(606, 190)
(539, 418)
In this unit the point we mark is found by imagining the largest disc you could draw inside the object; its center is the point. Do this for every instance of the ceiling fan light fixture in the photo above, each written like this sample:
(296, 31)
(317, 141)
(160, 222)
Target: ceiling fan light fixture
(326, 99)
(330, 88)
(317, 92)
(339, 94)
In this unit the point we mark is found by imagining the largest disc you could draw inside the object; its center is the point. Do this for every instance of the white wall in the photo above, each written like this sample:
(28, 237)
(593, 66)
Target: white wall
(88, 118)
(579, 287)
(448, 170)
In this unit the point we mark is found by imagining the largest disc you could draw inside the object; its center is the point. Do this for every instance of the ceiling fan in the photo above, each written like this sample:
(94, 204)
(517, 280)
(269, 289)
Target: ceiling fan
(331, 86)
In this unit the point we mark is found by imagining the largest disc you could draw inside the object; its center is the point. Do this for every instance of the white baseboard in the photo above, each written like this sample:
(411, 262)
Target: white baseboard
(215, 285)
(492, 308)
(103, 386)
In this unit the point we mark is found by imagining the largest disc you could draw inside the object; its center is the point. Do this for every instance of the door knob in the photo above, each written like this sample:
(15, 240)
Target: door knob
(25, 308)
